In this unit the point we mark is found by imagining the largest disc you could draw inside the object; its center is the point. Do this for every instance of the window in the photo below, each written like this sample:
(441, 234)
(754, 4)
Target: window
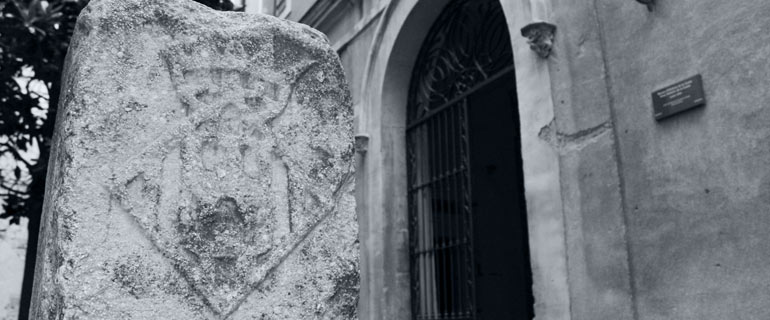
(278, 8)
(282, 8)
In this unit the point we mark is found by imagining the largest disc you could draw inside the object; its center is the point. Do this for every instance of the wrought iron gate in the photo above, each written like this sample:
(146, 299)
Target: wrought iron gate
(467, 47)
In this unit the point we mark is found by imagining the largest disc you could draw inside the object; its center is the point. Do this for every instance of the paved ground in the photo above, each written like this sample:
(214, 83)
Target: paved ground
(13, 243)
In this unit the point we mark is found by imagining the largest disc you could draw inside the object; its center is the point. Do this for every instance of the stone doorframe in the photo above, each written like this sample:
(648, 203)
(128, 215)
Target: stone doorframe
(565, 260)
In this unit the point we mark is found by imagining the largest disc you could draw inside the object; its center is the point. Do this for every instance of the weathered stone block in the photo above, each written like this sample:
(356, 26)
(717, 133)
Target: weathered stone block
(201, 169)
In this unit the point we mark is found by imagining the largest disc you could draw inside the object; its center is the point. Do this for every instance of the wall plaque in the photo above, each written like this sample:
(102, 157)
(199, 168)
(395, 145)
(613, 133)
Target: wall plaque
(681, 96)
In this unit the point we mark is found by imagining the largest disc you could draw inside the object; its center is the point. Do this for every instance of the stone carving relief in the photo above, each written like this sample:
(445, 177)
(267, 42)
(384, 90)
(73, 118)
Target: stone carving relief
(202, 169)
(231, 127)
(540, 37)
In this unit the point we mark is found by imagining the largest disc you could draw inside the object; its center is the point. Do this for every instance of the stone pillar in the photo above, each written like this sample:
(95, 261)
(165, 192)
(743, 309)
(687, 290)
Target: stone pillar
(202, 168)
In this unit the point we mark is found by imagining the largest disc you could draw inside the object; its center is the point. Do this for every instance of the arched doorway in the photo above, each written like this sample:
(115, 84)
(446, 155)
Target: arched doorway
(382, 184)
(469, 253)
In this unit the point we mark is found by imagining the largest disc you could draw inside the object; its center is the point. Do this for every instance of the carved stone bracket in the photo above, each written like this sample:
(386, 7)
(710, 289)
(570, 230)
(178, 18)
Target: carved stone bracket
(649, 3)
(540, 35)
(361, 144)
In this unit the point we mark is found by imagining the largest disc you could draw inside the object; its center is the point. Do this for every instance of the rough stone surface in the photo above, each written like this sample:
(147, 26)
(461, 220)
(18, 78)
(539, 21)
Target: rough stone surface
(202, 169)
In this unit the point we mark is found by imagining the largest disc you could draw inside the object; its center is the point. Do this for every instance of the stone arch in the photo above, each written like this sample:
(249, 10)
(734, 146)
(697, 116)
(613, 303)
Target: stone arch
(381, 193)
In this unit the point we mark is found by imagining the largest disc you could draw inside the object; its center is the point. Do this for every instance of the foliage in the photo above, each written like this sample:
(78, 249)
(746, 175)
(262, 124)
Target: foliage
(223, 5)
(34, 35)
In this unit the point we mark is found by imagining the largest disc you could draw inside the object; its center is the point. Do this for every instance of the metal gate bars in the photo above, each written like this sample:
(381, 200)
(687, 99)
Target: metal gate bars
(440, 215)
(467, 47)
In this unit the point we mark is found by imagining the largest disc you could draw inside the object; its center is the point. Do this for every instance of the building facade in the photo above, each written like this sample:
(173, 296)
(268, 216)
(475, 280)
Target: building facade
(625, 215)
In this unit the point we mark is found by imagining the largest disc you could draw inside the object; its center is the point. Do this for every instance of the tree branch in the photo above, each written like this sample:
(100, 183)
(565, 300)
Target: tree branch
(16, 154)
(15, 192)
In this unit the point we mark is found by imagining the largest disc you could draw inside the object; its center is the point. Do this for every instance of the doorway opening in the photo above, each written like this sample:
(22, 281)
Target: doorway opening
(469, 252)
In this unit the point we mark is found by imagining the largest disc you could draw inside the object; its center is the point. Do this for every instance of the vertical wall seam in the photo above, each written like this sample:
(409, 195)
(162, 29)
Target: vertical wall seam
(618, 160)
(551, 64)
(565, 225)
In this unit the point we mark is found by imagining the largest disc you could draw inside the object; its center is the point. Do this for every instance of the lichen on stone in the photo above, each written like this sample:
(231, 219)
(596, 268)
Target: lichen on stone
(197, 153)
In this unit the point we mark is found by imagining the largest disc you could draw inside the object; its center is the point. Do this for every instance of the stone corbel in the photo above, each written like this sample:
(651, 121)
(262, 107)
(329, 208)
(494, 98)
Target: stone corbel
(648, 3)
(361, 144)
(540, 35)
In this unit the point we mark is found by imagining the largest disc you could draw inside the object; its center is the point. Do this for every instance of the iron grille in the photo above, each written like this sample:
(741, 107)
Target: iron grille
(467, 47)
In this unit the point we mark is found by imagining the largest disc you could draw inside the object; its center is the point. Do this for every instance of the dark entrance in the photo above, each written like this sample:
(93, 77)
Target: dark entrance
(468, 231)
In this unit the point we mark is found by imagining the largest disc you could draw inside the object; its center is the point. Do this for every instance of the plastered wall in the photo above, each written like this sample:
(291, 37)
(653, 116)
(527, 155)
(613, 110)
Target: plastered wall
(630, 218)
(696, 187)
